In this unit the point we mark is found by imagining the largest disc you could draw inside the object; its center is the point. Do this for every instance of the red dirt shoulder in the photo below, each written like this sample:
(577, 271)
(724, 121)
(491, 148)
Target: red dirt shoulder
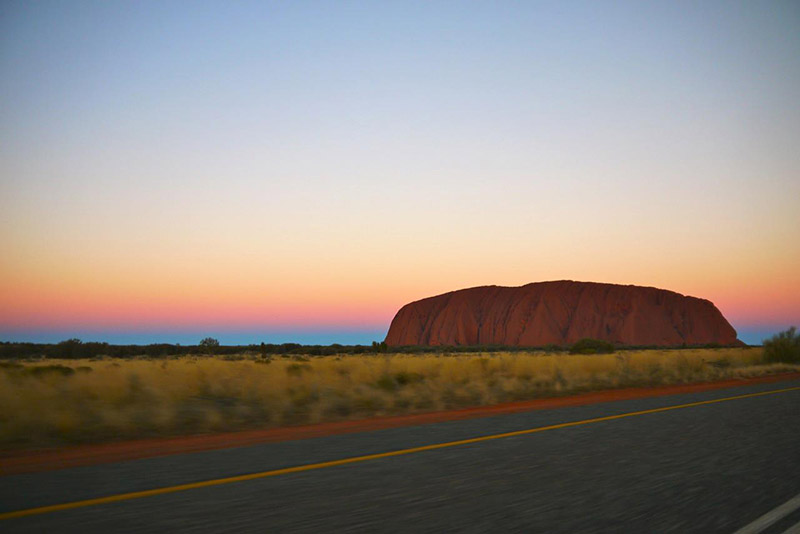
(28, 461)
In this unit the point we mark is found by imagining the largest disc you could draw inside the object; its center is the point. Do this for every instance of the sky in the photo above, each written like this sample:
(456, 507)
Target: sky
(297, 171)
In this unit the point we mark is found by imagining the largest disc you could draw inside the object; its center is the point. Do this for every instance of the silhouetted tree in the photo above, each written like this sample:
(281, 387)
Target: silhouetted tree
(209, 344)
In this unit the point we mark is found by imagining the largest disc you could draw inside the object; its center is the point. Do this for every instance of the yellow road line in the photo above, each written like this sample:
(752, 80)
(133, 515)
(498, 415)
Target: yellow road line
(356, 459)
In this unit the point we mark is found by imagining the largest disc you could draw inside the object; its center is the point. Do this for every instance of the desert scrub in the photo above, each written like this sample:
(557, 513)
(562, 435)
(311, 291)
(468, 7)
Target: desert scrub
(783, 347)
(56, 402)
(591, 346)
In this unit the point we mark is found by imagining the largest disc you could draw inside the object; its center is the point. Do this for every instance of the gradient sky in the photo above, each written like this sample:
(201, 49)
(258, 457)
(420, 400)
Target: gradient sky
(297, 171)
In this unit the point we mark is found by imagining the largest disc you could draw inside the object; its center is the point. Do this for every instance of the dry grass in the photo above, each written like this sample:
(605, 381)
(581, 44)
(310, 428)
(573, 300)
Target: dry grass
(114, 399)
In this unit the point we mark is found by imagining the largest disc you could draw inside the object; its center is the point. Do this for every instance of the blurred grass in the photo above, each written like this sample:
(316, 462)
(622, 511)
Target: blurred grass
(52, 403)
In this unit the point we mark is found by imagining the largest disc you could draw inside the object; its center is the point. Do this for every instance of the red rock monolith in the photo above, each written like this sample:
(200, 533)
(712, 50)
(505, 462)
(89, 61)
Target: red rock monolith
(561, 313)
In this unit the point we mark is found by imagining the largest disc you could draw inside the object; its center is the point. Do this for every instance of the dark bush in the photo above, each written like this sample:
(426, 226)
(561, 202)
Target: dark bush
(402, 378)
(386, 383)
(45, 370)
(592, 346)
(295, 369)
(209, 345)
(70, 349)
(783, 347)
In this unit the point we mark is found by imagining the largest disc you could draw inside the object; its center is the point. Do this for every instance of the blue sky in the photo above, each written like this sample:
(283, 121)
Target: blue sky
(313, 166)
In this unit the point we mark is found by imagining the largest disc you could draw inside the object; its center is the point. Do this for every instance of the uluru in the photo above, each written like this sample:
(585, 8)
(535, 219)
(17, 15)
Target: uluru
(561, 313)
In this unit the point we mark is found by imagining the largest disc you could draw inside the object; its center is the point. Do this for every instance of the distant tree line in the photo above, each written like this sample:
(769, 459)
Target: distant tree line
(77, 349)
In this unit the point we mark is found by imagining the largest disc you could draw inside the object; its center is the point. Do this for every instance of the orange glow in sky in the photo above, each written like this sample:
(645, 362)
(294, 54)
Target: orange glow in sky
(272, 168)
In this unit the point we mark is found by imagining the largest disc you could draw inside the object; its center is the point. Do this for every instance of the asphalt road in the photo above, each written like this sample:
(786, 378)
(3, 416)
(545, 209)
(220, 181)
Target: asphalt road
(707, 468)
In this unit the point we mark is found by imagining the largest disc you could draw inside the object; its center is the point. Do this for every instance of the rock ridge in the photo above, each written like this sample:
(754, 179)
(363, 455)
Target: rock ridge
(561, 312)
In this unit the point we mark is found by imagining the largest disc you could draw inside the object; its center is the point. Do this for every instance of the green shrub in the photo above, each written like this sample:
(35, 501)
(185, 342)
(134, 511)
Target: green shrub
(45, 370)
(591, 346)
(403, 378)
(783, 347)
(296, 369)
(386, 383)
(209, 345)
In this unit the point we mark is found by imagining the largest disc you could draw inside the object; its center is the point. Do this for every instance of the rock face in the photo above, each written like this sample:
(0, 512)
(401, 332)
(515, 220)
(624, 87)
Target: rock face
(560, 313)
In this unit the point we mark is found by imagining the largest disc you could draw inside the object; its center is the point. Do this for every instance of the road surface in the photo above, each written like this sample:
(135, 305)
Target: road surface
(718, 461)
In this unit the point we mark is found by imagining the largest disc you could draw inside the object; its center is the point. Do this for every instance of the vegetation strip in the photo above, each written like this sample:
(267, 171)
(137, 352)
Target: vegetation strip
(357, 459)
(57, 403)
(18, 462)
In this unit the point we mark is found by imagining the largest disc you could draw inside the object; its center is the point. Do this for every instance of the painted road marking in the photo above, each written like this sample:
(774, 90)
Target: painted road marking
(356, 459)
(772, 517)
(793, 530)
